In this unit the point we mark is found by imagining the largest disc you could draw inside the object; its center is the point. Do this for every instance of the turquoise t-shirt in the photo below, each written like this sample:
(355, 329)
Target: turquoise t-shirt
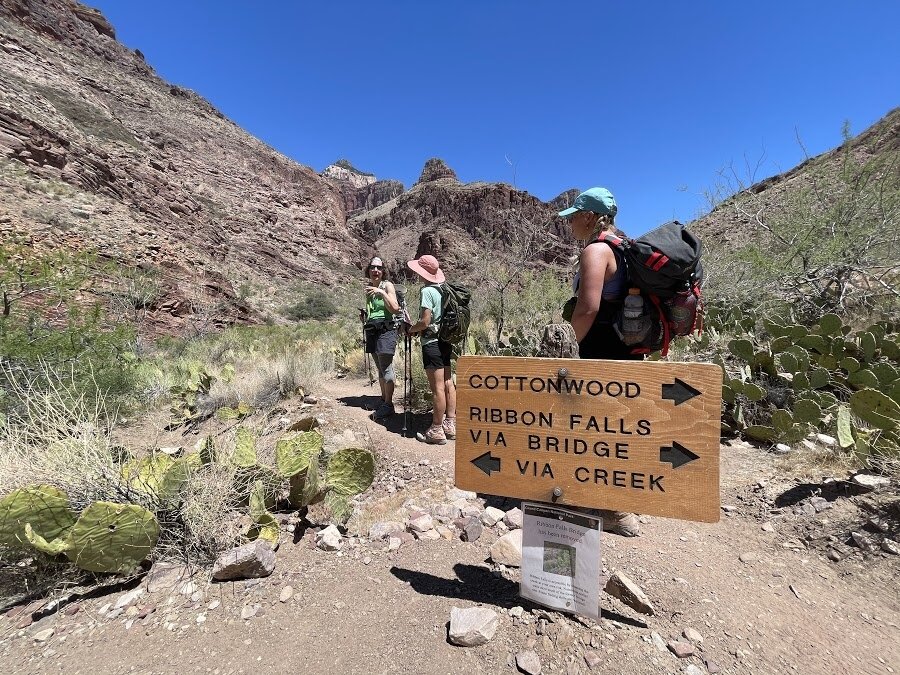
(431, 299)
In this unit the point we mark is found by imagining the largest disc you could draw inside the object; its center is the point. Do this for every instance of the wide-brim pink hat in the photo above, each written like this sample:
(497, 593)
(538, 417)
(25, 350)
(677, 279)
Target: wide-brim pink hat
(428, 268)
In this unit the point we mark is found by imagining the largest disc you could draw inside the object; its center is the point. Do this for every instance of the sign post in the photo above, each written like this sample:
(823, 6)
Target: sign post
(635, 436)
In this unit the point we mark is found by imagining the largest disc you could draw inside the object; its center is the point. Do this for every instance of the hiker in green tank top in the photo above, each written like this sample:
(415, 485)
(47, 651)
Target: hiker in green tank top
(381, 332)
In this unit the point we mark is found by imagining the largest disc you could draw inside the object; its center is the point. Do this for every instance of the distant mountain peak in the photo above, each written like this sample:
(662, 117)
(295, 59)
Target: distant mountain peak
(436, 169)
(344, 172)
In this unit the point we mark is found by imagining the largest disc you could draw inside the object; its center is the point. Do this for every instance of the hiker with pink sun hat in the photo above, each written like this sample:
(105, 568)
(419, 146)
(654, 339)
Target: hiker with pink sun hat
(436, 353)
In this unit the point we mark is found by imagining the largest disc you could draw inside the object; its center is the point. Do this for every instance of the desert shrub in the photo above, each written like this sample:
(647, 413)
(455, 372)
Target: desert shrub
(317, 305)
(53, 320)
(827, 247)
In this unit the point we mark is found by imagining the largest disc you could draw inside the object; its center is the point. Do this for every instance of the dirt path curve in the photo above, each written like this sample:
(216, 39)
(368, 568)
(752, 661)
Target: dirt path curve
(763, 601)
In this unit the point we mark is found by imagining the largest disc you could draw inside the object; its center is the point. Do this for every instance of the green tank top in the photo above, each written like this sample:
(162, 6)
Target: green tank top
(375, 308)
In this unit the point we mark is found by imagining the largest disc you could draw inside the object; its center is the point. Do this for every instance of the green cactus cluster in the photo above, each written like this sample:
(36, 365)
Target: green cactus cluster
(105, 537)
(195, 381)
(790, 379)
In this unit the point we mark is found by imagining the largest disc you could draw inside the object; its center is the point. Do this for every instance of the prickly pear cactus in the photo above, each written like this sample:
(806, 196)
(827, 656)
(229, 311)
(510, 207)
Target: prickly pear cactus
(265, 526)
(294, 455)
(350, 472)
(44, 507)
(244, 455)
(875, 408)
(111, 537)
(158, 475)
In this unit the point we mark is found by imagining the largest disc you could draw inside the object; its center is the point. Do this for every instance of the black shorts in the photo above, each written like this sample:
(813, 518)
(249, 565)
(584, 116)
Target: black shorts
(436, 355)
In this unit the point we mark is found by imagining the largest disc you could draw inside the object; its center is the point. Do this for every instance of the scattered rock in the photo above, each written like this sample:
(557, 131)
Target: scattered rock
(748, 557)
(250, 561)
(329, 539)
(472, 626)
(249, 611)
(870, 481)
(385, 529)
(622, 588)
(728, 508)
(826, 440)
(768, 527)
(128, 598)
(507, 550)
(712, 667)
(890, 546)
(528, 662)
(72, 609)
(115, 613)
(471, 529)
(691, 669)
(166, 576)
(213, 605)
(592, 658)
(513, 518)
(455, 493)
(658, 642)
(863, 541)
(428, 535)
(445, 512)
(491, 516)
(286, 594)
(421, 523)
(516, 611)
(681, 649)
(565, 638)
(44, 635)
(782, 448)
(692, 635)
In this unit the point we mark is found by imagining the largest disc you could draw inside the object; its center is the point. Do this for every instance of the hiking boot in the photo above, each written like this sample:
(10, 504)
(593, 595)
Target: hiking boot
(449, 427)
(619, 522)
(434, 435)
(382, 411)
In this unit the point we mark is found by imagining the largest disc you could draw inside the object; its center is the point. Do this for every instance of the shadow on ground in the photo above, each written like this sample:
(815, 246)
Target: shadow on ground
(479, 584)
(411, 422)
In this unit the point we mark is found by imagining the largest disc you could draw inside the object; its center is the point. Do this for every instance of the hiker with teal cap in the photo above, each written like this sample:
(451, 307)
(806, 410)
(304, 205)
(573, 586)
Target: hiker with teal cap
(600, 286)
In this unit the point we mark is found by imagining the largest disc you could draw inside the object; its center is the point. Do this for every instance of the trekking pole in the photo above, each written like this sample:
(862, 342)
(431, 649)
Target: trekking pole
(405, 390)
(362, 316)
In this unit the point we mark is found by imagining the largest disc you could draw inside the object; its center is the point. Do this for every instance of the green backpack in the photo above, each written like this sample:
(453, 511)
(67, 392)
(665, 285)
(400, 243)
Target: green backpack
(455, 313)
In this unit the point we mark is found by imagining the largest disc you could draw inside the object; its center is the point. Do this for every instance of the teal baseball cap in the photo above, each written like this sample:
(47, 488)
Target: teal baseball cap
(597, 199)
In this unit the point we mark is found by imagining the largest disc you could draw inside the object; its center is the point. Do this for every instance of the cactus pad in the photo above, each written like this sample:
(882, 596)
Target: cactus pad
(112, 537)
(844, 429)
(44, 507)
(244, 455)
(295, 454)
(877, 409)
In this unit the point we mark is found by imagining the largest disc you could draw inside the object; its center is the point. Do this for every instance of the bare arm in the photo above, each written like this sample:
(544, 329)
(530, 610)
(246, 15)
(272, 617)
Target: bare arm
(389, 295)
(423, 322)
(595, 261)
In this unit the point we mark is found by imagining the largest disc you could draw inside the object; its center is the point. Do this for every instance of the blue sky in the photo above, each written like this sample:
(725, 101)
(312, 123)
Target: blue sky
(650, 99)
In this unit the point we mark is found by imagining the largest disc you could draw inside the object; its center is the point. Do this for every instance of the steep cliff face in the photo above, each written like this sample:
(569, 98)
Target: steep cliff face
(360, 191)
(97, 152)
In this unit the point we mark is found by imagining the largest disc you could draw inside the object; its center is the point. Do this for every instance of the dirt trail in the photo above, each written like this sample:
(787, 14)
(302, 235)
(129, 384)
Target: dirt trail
(785, 608)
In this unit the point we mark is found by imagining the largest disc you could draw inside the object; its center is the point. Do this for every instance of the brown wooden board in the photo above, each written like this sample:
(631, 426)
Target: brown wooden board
(636, 436)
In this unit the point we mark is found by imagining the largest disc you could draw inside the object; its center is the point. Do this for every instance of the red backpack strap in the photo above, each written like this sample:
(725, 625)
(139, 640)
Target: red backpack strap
(611, 239)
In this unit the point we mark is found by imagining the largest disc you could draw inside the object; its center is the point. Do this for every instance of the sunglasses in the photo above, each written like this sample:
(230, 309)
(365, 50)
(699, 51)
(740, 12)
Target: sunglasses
(376, 267)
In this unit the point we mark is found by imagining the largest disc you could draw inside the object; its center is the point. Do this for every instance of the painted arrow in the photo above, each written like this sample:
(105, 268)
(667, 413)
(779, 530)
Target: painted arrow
(679, 391)
(676, 455)
(487, 462)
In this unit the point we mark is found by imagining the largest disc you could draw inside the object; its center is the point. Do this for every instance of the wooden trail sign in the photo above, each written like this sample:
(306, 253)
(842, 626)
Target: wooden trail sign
(636, 436)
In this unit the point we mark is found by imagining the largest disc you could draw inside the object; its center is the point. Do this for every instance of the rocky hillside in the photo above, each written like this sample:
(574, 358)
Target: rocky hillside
(458, 222)
(736, 219)
(97, 152)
